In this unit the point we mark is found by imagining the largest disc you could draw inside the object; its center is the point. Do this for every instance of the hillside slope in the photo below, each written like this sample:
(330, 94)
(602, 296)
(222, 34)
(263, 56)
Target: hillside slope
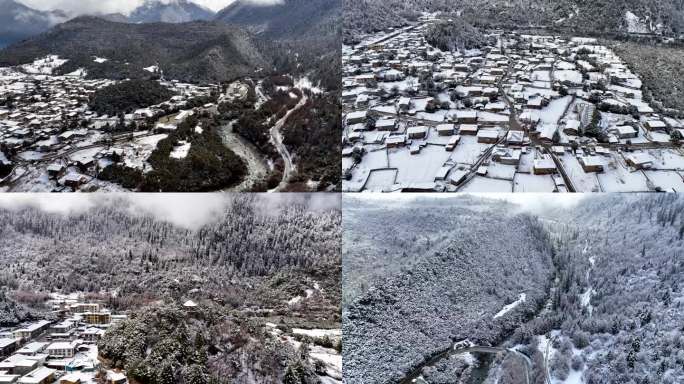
(195, 51)
(299, 19)
(18, 21)
(174, 11)
(621, 267)
(418, 302)
(666, 16)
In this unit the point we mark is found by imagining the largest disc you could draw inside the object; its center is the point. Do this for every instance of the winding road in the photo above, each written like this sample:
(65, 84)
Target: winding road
(277, 140)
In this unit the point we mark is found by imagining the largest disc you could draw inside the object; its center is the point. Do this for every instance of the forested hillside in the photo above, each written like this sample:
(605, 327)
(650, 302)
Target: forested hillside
(304, 36)
(10, 311)
(665, 16)
(198, 51)
(127, 96)
(621, 263)
(412, 299)
(258, 268)
(298, 19)
(455, 35)
(78, 252)
(602, 284)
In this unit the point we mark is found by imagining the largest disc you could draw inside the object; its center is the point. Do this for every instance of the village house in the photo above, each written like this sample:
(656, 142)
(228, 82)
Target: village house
(416, 132)
(544, 166)
(74, 180)
(572, 127)
(84, 307)
(508, 156)
(466, 117)
(31, 331)
(7, 346)
(32, 349)
(591, 163)
(40, 375)
(640, 160)
(395, 141)
(113, 377)
(7, 378)
(445, 129)
(468, 129)
(453, 142)
(624, 131)
(488, 136)
(403, 104)
(386, 125)
(515, 137)
(655, 125)
(357, 117)
(62, 349)
(21, 364)
(97, 318)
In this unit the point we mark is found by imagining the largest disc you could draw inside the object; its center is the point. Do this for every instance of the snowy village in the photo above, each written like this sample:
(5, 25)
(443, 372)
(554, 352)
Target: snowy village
(51, 140)
(525, 113)
(61, 351)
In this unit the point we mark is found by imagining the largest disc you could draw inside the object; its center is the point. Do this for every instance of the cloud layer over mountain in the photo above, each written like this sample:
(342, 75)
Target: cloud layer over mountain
(80, 7)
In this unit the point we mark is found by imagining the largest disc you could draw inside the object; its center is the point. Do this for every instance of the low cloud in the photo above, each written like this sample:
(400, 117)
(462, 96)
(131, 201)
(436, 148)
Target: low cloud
(84, 7)
(191, 211)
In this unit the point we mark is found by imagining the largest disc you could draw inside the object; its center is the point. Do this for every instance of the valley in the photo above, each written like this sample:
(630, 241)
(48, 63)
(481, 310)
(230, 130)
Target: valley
(602, 306)
(186, 105)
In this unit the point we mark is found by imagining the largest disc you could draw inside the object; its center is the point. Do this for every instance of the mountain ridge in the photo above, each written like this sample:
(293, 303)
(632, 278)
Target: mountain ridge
(666, 16)
(221, 52)
(174, 11)
(301, 19)
(18, 21)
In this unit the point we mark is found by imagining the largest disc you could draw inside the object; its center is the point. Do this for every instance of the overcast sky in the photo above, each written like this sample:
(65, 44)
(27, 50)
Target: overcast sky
(186, 210)
(78, 7)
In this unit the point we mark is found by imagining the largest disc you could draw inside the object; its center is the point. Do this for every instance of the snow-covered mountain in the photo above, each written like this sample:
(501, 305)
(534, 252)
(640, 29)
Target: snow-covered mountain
(297, 19)
(18, 21)
(169, 11)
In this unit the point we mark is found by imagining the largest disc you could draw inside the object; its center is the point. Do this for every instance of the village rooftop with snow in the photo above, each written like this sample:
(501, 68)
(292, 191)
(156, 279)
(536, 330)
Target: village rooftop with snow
(528, 113)
(50, 140)
(62, 351)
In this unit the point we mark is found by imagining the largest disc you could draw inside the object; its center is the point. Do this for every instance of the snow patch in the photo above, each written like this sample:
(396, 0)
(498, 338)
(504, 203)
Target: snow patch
(305, 83)
(44, 66)
(331, 333)
(634, 24)
(181, 151)
(152, 69)
(510, 306)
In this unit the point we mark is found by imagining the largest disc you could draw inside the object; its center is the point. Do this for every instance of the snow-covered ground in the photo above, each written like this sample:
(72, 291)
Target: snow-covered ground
(181, 150)
(511, 306)
(332, 333)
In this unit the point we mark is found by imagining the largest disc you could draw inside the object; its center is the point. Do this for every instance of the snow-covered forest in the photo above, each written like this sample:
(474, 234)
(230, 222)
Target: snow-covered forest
(620, 263)
(418, 301)
(260, 268)
(601, 284)
(108, 248)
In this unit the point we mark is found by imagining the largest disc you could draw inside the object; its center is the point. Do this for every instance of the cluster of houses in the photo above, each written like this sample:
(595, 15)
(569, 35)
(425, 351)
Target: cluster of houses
(522, 104)
(45, 119)
(63, 352)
